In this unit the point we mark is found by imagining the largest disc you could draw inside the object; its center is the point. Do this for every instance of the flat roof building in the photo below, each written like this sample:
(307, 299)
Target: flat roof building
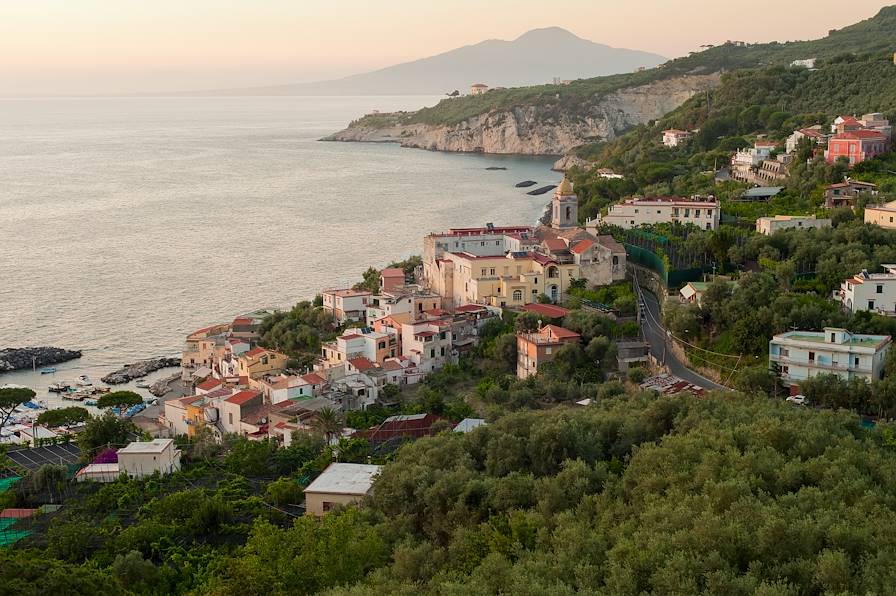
(339, 484)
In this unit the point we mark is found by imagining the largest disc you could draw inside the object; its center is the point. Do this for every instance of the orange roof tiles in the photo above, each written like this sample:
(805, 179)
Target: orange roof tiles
(242, 397)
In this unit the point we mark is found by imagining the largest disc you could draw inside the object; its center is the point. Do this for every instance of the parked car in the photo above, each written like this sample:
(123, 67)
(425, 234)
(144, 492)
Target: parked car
(799, 400)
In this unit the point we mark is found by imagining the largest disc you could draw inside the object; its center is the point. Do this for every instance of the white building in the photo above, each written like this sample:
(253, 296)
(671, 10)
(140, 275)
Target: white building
(674, 137)
(339, 484)
(801, 355)
(807, 63)
(812, 132)
(631, 213)
(346, 305)
(478, 88)
(875, 292)
(144, 458)
(770, 225)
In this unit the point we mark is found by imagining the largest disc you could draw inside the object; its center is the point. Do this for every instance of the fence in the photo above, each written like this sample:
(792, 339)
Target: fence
(671, 278)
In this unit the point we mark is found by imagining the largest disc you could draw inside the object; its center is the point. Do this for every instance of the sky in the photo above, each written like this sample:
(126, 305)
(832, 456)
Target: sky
(78, 47)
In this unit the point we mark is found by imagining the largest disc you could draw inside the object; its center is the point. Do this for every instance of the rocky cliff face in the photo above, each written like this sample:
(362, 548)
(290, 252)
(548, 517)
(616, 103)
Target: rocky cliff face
(542, 130)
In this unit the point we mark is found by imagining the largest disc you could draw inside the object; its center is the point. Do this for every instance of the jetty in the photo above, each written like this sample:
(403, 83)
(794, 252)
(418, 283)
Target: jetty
(541, 190)
(526, 183)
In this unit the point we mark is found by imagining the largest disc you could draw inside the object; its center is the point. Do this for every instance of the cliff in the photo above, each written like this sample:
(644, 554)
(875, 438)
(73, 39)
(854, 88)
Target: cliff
(545, 128)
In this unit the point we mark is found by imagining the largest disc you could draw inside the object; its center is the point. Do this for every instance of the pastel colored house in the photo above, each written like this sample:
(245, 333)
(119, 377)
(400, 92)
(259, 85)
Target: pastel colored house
(391, 279)
(346, 305)
(856, 146)
(674, 137)
(770, 225)
(631, 213)
(339, 484)
(535, 349)
(845, 194)
(258, 362)
(881, 215)
(874, 292)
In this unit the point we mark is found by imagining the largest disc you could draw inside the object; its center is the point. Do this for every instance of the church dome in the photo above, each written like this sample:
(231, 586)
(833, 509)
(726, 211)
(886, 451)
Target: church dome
(565, 188)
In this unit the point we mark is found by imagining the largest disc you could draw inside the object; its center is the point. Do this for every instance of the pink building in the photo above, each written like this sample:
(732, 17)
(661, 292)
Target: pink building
(391, 279)
(856, 146)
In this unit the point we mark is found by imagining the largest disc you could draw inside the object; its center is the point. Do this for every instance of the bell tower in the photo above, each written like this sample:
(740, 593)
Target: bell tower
(564, 207)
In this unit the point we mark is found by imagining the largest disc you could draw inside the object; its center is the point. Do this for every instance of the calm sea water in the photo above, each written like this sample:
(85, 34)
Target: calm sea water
(127, 222)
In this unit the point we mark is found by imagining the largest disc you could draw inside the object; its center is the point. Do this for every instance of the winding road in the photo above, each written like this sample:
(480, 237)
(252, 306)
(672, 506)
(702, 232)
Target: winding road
(655, 334)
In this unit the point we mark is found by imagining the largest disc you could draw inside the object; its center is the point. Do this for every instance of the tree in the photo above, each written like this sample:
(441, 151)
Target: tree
(327, 422)
(63, 416)
(105, 430)
(119, 399)
(526, 322)
(10, 399)
(371, 281)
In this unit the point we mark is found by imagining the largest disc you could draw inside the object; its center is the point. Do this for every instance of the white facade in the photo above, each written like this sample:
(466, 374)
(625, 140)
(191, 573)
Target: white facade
(428, 345)
(144, 458)
(801, 355)
(346, 305)
(751, 157)
(638, 212)
(875, 292)
(770, 225)
(674, 138)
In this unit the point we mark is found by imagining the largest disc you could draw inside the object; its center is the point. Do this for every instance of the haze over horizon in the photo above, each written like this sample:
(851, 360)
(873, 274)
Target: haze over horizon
(97, 47)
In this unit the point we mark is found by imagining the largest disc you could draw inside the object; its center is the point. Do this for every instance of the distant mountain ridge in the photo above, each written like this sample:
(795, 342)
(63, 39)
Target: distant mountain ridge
(535, 57)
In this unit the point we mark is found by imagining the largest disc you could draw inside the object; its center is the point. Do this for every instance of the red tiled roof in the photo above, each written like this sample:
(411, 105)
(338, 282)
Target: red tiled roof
(581, 246)
(242, 397)
(849, 120)
(361, 363)
(856, 135)
(551, 311)
(209, 384)
(542, 259)
(18, 513)
(392, 365)
(392, 272)
(314, 379)
(425, 333)
(255, 352)
(555, 243)
(559, 332)
(243, 321)
(470, 308)
(436, 312)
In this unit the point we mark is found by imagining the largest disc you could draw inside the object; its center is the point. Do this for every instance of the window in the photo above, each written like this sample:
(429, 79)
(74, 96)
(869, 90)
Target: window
(856, 361)
(534, 292)
(230, 418)
(497, 243)
(687, 212)
(871, 305)
(811, 356)
(568, 213)
(675, 212)
(708, 226)
(517, 295)
(696, 213)
(785, 352)
(547, 350)
(432, 353)
(483, 272)
(636, 211)
(443, 351)
(326, 505)
(491, 271)
(633, 222)
(833, 338)
(880, 288)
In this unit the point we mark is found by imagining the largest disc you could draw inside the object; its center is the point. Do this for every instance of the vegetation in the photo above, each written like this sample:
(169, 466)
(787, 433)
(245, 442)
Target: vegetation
(10, 399)
(299, 332)
(63, 416)
(119, 399)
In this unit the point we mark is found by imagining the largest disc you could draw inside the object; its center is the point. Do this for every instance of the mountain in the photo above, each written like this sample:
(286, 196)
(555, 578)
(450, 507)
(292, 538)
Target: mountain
(533, 58)
(553, 119)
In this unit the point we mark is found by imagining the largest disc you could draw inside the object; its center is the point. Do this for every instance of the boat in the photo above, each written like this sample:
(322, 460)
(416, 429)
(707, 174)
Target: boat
(60, 387)
(84, 381)
(142, 384)
(47, 371)
(89, 402)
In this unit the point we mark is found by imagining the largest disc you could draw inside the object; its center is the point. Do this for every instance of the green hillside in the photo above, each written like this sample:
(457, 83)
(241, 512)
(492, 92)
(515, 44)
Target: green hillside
(876, 35)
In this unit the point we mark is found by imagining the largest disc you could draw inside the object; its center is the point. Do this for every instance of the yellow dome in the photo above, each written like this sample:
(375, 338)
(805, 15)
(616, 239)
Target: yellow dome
(565, 188)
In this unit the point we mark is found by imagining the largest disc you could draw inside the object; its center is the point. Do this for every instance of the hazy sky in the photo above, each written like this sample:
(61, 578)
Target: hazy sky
(119, 46)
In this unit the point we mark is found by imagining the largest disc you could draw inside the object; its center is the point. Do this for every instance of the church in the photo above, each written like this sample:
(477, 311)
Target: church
(517, 265)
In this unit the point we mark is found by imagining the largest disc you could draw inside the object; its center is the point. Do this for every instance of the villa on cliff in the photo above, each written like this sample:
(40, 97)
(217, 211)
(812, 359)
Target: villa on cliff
(514, 265)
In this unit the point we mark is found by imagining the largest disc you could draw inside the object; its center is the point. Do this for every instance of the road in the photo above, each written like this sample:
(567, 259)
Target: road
(655, 334)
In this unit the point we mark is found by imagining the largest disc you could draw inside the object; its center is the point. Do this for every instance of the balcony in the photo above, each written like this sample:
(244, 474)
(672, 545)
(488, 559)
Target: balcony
(832, 366)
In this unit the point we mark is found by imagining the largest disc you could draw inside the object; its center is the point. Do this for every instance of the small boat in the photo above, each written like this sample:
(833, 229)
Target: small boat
(47, 371)
(142, 384)
(60, 387)
(84, 381)
(90, 402)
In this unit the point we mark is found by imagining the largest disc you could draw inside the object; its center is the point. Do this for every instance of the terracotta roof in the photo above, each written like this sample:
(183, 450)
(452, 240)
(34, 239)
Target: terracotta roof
(436, 312)
(849, 120)
(581, 246)
(392, 272)
(255, 352)
(425, 333)
(362, 363)
(314, 379)
(855, 135)
(209, 384)
(559, 332)
(470, 308)
(242, 397)
(243, 321)
(551, 311)
(555, 243)
(18, 513)
(392, 365)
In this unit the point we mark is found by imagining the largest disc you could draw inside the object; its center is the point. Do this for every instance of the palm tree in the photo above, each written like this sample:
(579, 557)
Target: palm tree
(328, 422)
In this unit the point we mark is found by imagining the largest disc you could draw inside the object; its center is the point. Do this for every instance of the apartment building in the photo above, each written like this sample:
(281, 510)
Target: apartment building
(875, 292)
(631, 213)
(881, 215)
(535, 349)
(801, 355)
(346, 305)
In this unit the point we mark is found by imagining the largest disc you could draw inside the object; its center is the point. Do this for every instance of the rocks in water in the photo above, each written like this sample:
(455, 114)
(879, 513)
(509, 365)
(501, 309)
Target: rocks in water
(541, 190)
(25, 358)
(526, 183)
(138, 370)
(493, 168)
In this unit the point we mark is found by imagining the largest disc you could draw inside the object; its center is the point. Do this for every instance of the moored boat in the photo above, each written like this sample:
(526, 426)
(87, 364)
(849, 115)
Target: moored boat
(47, 371)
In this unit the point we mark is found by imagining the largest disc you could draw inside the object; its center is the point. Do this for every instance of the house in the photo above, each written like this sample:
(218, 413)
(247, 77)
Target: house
(400, 427)
(98, 473)
(773, 170)
(844, 194)
(408, 300)
(761, 193)
(693, 291)
(609, 174)
(279, 388)
(674, 137)
(478, 88)
(805, 63)
(770, 225)
(346, 305)
(368, 343)
(391, 279)
(634, 212)
(800, 355)
(814, 133)
(230, 411)
(428, 344)
(845, 124)
(259, 362)
(876, 121)
(203, 347)
(535, 349)
(145, 458)
(856, 146)
(881, 215)
(630, 353)
(339, 484)
(875, 292)
(745, 162)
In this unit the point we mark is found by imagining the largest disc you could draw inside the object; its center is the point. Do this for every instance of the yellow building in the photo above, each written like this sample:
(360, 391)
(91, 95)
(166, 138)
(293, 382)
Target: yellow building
(881, 215)
(259, 362)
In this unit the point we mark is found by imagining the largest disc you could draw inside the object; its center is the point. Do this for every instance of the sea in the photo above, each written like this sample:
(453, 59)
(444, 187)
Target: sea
(126, 223)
